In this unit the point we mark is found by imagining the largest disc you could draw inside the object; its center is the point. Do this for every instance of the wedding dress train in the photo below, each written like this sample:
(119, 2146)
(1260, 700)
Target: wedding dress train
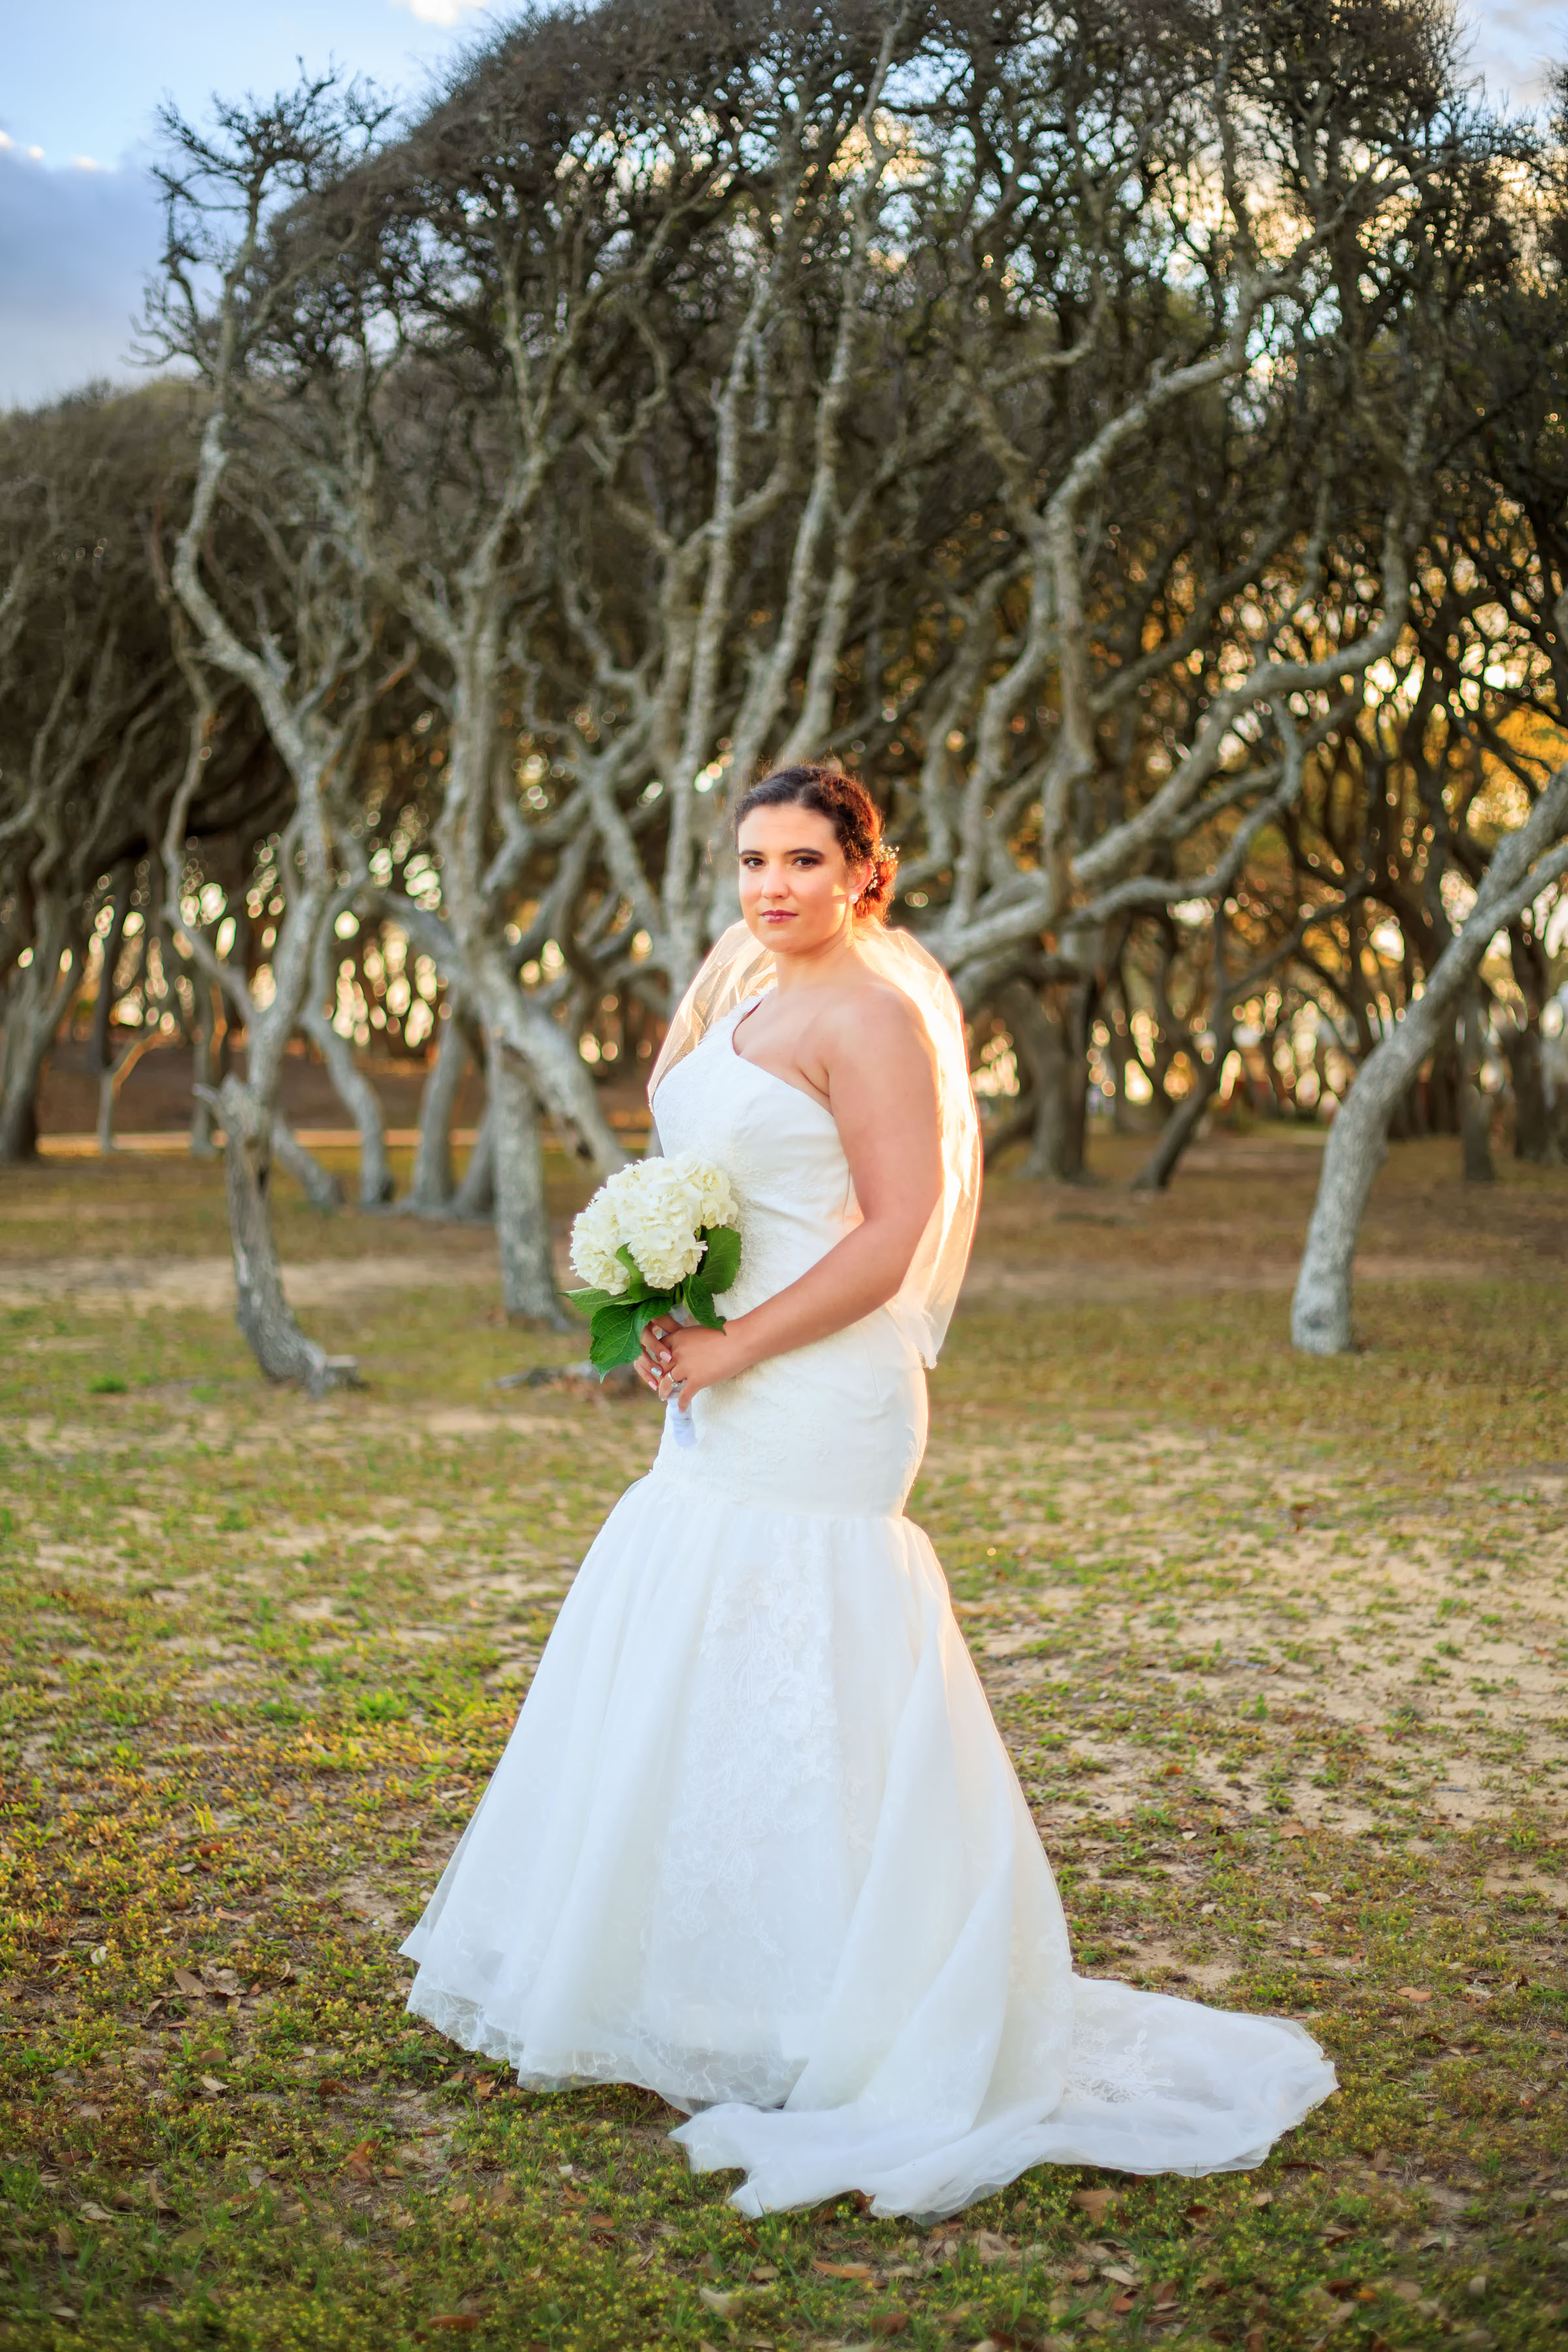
(756, 1842)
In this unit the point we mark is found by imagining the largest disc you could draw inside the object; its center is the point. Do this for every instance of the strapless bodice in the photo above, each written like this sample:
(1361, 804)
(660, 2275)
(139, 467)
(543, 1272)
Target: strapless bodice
(853, 1404)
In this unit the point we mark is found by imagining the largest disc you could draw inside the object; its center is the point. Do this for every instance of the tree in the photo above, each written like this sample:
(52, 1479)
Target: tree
(294, 632)
(89, 705)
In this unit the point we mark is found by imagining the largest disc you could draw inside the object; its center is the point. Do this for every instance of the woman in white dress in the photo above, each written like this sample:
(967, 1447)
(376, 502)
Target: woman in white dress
(756, 1842)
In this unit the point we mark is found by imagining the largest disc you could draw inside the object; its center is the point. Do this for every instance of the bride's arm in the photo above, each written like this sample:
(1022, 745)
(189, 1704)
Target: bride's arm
(881, 1090)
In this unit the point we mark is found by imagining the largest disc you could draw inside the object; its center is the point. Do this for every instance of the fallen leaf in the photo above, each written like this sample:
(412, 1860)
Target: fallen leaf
(720, 2305)
(1287, 1830)
(188, 1983)
(214, 2088)
(1096, 2202)
(1264, 2197)
(360, 2162)
(64, 2242)
(63, 2311)
(1165, 2296)
(95, 2214)
(845, 2270)
(991, 2248)
(889, 2322)
(1196, 2213)
(1124, 2302)
(1411, 1992)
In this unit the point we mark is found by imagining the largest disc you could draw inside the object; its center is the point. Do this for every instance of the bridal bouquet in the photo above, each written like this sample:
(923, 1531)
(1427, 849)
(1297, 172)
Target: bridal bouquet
(658, 1235)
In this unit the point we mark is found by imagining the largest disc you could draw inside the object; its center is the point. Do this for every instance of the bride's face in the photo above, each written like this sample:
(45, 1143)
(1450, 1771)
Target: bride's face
(796, 886)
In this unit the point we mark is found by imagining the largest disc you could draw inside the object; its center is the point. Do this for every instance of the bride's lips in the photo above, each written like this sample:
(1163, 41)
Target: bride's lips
(777, 915)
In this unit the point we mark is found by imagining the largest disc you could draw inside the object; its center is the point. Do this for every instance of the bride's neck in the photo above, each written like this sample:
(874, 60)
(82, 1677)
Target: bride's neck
(827, 965)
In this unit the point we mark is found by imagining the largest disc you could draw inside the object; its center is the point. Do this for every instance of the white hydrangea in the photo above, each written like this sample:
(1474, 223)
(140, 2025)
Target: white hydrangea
(715, 1193)
(596, 1235)
(658, 1209)
(659, 1216)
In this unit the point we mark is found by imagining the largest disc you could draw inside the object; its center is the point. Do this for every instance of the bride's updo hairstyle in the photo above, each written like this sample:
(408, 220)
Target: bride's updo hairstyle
(849, 810)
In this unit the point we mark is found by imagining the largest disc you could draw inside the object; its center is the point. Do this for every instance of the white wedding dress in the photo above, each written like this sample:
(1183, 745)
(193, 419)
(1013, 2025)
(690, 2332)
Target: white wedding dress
(756, 1842)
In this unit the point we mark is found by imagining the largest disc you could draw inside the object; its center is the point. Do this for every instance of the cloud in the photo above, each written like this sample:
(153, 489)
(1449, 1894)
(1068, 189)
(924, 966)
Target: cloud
(441, 12)
(75, 247)
(1514, 44)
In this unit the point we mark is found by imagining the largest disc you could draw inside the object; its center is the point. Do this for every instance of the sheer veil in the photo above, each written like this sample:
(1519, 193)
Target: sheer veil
(740, 967)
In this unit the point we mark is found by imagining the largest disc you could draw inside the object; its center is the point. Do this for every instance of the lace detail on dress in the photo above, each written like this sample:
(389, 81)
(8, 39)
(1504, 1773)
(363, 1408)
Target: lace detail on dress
(760, 1764)
(1108, 2069)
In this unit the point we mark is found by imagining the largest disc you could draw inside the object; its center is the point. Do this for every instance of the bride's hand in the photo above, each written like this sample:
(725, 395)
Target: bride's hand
(685, 1359)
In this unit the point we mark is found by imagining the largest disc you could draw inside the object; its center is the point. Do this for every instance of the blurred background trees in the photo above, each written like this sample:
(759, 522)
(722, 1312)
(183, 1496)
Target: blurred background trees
(1129, 437)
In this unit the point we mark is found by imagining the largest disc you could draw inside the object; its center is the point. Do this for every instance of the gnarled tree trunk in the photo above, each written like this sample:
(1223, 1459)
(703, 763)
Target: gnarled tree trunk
(361, 1101)
(1184, 1122)
(433, 1182)
(1476, 1111)
(1534, 1136)
(523, 1220)
(1055, 1054)
(1523, 864)
(264, 1315)
(476, 1195)
(35, 1003)
(319, 1185)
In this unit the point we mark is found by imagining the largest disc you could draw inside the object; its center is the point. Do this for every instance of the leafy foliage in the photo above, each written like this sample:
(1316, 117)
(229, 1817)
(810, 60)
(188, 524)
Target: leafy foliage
(619, 1319)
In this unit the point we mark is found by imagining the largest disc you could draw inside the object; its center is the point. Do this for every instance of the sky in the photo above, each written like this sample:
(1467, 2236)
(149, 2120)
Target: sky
(81, 80)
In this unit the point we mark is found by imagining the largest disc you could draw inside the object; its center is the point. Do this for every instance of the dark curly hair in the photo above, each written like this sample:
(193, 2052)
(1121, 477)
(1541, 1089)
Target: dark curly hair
(849, 810)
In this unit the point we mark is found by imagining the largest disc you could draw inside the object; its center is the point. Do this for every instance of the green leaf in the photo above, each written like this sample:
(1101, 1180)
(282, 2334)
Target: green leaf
(700, 1303)
(617, 1337)
(639, 1287)
(589, 1302)
(658, 1302)
(720, 1260)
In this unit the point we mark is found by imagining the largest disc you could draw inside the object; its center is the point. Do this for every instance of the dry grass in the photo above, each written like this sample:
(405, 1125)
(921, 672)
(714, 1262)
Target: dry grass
(1277, 1647)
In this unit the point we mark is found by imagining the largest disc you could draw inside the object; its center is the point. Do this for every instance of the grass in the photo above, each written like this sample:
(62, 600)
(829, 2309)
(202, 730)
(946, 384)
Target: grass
(1276, 1647)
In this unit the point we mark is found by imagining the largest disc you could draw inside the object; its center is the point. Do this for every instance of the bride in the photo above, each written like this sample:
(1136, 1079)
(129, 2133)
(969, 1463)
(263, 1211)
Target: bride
(756, 1842)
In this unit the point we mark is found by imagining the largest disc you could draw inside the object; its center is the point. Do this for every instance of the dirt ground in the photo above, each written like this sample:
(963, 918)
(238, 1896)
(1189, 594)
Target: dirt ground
(1277, 1647)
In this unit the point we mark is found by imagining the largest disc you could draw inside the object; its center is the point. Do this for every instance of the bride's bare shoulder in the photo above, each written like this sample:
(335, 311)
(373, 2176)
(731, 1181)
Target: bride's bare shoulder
(873, 1019)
